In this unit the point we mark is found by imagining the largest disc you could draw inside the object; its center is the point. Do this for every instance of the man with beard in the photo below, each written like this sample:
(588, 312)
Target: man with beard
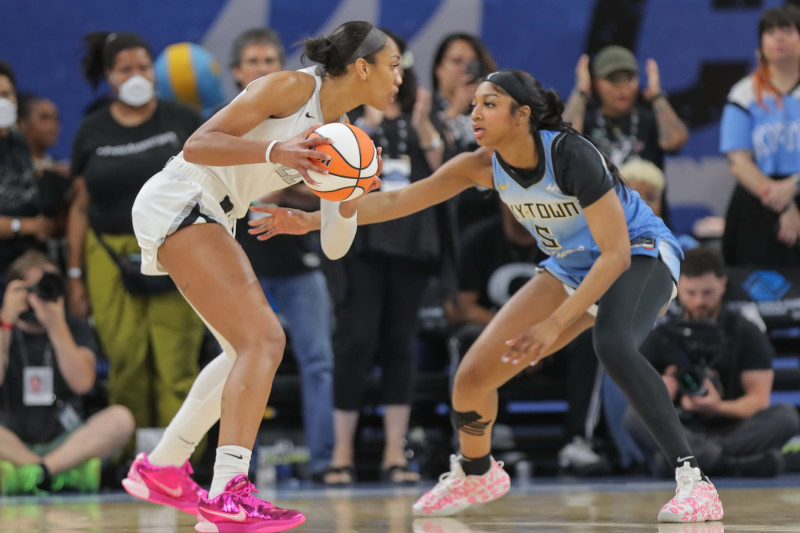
(718, 369)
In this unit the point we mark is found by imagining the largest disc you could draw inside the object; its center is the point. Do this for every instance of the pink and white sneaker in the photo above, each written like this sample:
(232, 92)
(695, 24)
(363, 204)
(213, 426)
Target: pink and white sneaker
(456, 491)
(695, 500)
(236, 509)
(167, 485)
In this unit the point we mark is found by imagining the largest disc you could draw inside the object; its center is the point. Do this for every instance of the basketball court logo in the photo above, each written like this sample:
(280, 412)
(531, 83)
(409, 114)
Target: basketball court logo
(766, 285)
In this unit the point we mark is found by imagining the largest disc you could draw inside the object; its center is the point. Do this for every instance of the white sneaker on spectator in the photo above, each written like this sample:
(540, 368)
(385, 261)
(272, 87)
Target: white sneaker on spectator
(578, 456)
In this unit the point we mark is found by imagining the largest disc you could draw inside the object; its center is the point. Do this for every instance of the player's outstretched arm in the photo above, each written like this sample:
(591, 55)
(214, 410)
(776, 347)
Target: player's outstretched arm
(461, 172)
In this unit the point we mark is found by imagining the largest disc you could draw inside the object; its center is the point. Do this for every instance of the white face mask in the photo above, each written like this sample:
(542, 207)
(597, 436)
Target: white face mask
(8, 113)
(136, 91)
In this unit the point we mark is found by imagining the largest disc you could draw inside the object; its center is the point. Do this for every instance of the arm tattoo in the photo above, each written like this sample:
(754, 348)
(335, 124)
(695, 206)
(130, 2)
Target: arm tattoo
(574, 111)
(671, 129)
(470, 423)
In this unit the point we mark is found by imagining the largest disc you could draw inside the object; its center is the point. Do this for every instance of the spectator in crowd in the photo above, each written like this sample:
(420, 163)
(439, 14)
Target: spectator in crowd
(718, 369)
(762, 226)
(288, 269)
(22, 224)
(39, 123)
(47, 362)
(498, 256)
(152, 339)
(379, 285)
(459, 63)
(622, 121)
(647, 179)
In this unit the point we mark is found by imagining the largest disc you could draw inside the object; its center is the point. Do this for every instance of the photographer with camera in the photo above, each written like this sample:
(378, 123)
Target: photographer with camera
(47, 362)
(717, 366)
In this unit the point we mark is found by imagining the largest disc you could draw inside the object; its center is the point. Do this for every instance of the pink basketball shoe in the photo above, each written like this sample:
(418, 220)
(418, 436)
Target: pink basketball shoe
(236, 509)
(167, 485)
(456, 491)
(695, 500)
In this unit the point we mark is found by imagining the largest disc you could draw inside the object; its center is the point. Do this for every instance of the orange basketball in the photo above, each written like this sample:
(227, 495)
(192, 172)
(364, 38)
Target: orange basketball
(353, 163)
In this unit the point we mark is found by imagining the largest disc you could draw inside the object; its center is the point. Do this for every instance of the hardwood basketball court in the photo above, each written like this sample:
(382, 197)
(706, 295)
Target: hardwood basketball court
(544, 505)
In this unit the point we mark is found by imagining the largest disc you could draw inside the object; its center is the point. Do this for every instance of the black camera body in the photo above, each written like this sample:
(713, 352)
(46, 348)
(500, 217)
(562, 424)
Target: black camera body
(700, 343)
(49, 288)
(692, 380)
(475, 71)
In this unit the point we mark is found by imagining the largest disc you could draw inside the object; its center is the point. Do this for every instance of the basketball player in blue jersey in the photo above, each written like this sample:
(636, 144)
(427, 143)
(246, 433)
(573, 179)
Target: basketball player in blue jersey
(184, 217)
(612, 264)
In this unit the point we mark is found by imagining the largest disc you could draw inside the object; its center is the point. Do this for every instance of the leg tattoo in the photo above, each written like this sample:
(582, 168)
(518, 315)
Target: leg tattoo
(470, 423)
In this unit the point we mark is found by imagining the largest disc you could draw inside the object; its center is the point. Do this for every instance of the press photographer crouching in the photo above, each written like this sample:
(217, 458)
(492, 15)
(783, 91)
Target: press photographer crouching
(717, 366)
(47, 362)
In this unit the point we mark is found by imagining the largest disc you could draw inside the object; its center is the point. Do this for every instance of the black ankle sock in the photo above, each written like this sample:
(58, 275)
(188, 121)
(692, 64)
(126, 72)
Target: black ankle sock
(478, 466)
(47, 478)
(693, 463)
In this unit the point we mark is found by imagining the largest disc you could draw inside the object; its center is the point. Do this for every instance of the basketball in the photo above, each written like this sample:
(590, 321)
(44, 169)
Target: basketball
(353, 163)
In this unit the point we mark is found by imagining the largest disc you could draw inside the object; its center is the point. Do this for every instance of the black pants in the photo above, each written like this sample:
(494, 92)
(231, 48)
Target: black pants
(625, 316)
(713, 439)
(376, 317)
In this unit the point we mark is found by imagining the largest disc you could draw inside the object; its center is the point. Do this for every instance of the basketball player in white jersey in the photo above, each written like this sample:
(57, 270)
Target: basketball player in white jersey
(184, 218)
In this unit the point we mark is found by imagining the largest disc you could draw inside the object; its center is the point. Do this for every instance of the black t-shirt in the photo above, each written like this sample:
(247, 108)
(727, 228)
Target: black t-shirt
(493, 266)
(19, 194)
(744, 347)
(625, 138)
(38, 424)
(117, 160)
(416, 237)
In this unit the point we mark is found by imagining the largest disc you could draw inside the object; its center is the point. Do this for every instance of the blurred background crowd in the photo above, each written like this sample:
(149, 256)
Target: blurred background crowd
(701, 113)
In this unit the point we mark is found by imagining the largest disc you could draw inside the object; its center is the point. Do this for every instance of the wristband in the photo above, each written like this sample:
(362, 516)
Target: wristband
(8, 326)
(659, 94)
(583, 94)
(74, 273)
(269, 150)
(16, 226)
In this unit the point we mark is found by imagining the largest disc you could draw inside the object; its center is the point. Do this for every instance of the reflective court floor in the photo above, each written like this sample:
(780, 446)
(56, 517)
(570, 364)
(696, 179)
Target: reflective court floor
(607, 506)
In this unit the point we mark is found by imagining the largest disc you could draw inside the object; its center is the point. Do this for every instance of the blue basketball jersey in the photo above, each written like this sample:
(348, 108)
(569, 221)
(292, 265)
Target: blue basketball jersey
(557, 220)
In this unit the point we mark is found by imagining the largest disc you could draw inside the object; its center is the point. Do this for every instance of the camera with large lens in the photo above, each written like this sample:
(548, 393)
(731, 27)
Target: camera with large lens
(49, 288)
(699, 343)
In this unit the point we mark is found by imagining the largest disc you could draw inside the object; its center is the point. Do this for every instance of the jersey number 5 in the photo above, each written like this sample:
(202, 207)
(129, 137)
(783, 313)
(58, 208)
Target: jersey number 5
(546, 238)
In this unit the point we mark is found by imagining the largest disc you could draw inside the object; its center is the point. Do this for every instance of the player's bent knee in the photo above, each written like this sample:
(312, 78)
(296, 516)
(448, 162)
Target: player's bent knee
(469, 378)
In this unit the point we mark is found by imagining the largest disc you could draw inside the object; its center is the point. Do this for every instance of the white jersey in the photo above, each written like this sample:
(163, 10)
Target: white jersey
(244, 184)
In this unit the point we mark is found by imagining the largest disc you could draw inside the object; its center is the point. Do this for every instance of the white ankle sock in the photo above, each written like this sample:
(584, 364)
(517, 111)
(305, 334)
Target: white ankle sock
(231, 461)
(199, 412)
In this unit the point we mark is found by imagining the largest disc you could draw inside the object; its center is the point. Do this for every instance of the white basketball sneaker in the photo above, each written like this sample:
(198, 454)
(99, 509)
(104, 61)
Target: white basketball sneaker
(695, 500)
(456, 491)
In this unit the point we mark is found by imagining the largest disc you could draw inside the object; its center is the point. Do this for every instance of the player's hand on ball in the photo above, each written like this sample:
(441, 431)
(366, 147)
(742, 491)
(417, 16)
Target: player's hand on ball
(299, 153)
(279, 220)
